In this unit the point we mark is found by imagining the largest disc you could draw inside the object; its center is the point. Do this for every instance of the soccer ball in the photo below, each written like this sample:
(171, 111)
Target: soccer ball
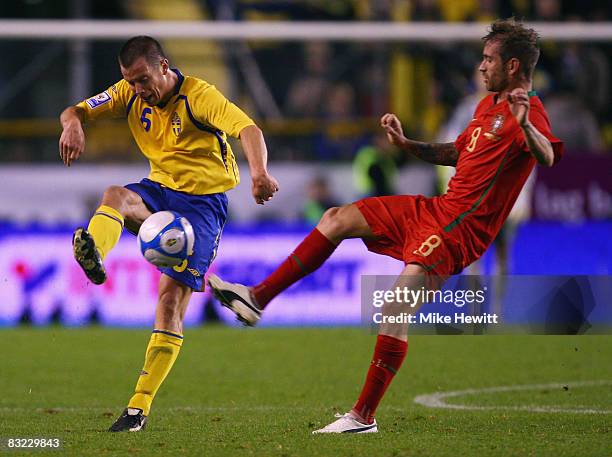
(166, 239)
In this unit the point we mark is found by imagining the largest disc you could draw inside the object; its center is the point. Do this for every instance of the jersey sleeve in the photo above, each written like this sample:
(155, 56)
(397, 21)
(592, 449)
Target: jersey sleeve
(540, 121)
(212, 108)
(111, 103)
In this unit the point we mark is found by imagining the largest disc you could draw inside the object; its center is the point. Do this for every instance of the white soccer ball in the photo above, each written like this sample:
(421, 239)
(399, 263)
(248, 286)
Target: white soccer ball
(166, 239)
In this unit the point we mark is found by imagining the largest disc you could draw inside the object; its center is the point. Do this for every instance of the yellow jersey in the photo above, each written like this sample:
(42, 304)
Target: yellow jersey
(184, 140)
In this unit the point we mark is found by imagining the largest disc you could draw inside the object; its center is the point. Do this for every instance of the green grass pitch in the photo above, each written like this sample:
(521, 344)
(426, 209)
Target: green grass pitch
(260, 392)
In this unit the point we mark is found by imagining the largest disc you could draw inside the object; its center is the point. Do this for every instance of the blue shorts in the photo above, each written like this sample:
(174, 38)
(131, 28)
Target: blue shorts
(207, 214)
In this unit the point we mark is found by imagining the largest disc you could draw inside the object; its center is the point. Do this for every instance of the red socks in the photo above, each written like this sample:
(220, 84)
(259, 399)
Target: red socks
(307, 257)
(389, 354)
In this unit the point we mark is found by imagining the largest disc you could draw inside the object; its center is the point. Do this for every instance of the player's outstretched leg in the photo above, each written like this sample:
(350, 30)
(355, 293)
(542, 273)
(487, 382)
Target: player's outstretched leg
(237, 298)
(337, 224)
(119, 206)
(389, 353)
(162, 351)
(91, 246)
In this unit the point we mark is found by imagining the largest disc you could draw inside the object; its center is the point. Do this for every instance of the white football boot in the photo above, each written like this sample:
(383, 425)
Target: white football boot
(348, 424)
(237, 298)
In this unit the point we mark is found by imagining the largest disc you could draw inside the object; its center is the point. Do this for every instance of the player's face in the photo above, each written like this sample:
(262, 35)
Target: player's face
(493, 69)
(147, 80)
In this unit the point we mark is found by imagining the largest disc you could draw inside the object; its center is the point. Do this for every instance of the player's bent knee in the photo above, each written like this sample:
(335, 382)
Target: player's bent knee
(332, 224)
(114, 191)
(114, 196)
(129, 204)
(329, 215)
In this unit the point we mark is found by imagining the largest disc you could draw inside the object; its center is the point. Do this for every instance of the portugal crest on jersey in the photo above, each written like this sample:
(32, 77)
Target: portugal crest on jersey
(176, 124)
(496, 125)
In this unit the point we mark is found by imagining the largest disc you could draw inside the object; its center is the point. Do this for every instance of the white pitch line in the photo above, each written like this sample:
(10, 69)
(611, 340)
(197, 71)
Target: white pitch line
(438, 399)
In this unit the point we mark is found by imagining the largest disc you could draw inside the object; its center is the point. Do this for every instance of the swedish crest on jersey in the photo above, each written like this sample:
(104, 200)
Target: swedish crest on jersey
(177, 125)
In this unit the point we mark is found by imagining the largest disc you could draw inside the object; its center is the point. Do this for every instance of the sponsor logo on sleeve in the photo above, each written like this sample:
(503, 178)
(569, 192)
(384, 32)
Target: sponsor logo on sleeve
(98, 100)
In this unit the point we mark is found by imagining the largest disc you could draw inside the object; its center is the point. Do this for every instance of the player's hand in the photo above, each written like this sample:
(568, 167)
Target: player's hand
(72, 143)
(264, 188)
(518, 100)
(393, 128)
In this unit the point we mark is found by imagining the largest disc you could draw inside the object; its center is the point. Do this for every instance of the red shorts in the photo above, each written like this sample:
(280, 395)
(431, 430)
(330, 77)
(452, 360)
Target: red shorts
(407, 230)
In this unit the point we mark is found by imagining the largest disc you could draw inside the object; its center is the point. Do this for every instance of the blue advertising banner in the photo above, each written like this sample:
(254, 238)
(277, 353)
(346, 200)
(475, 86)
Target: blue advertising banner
(40, 282)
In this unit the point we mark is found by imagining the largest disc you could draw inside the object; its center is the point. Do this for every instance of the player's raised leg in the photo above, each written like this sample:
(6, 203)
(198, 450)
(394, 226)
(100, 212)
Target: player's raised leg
(163, 349)
(90, 246)
(389, 353)
(337, 224)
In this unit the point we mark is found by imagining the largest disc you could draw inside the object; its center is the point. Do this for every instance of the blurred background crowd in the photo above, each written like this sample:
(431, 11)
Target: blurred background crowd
(317, 101)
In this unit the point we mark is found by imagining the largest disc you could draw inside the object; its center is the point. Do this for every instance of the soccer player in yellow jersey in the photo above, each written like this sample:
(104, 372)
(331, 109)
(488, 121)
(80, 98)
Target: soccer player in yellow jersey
(180, 124)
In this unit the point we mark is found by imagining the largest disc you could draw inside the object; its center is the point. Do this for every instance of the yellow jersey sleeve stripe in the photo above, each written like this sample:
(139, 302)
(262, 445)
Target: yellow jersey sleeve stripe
(218, 133)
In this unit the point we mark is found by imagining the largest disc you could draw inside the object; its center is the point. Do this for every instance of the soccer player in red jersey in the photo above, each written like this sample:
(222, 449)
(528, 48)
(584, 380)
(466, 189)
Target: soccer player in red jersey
(439, 236)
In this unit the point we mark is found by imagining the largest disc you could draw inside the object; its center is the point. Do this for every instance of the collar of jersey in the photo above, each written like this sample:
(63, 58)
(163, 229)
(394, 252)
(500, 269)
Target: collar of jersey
(531, 93)
(177, 88)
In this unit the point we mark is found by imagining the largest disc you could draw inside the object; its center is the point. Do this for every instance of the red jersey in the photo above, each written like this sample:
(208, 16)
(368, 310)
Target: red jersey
(494, 163)
(447, 233)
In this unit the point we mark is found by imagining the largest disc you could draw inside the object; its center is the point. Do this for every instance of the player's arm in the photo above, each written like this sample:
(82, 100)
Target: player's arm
(110, 103)
(72, 139)
(436, 153)
(211, 107)
(539, 146)
(254, 147)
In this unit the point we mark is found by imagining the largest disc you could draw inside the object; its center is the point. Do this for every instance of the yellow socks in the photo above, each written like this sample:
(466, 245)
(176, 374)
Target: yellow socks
(105, 228)
(162, 351)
